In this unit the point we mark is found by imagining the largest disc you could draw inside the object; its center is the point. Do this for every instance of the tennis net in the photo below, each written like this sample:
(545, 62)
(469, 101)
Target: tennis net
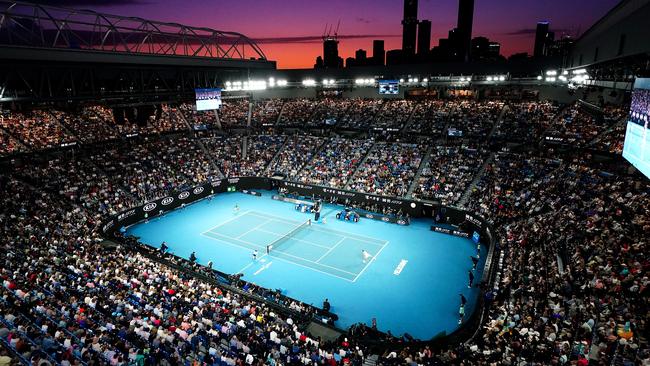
(274, 245)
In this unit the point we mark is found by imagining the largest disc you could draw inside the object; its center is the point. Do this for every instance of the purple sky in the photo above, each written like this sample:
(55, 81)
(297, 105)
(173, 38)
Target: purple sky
(289, 30)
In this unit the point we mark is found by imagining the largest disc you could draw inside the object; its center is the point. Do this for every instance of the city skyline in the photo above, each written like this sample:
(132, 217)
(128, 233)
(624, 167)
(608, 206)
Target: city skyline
(290, 32)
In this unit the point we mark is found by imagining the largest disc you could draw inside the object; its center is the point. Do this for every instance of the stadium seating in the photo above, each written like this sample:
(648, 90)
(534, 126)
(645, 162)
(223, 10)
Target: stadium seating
(573, 279)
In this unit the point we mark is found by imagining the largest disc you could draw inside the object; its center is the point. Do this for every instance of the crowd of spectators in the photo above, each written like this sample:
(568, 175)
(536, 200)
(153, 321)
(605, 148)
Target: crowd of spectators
(69, 300)
(475, 119)
(393, 115)
(388, 170)
(9, 145)
(525, 122)
(228, 153)
(298, 112)
(234, 112)
(38, 129)
(361, 114)
(266, 112)
(509, 185)
(431, 116)
(448, 173)
(579, 125)
(572, 285)
(87, 125)
(298, 150)
(335, 164)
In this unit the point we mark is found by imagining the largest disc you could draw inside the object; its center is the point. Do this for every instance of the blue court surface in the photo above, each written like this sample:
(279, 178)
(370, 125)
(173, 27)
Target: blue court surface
(410, 284)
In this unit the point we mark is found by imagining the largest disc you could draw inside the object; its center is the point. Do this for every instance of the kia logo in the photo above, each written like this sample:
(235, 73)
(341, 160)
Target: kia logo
(198, 190)
(149, 207)
(183, 195)
(166, 201)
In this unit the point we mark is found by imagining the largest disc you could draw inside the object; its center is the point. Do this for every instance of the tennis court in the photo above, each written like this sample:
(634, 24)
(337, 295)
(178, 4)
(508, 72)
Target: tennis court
(324, 250)
(411, 283)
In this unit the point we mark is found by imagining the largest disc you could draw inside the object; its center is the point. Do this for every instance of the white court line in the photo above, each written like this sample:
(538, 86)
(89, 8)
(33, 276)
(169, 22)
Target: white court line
(263, 268)
(296, 239)
(315, 228)
(282, 259)
(248, 231)
(332, 248)
(227, 221)
(370, 261)
(285, 253)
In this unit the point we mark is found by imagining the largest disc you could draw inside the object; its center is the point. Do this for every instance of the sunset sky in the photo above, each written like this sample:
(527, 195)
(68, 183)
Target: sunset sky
(289, 31)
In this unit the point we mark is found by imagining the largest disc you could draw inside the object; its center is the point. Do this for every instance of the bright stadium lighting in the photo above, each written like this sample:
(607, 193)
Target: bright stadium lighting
(415, 80)
(309, 82)
(332, 81)
(579, 71)
(502, 78)
(565, 72)
(489, 78)
(550, 79)
(359, 81)
(326, 82)
(539, 77)
(551, 73)
(562, 78)
(410, 80)
(271, 82)
(462, 79)
(401, 80)
(425, 80)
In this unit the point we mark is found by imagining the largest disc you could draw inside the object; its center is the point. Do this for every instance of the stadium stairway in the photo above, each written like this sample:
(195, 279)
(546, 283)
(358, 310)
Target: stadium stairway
(552, 122)
(277, 153)
(498, 122)
(201, 146)
(424, 163)
(409, 120)
(371, 360)
(477, 178)
(361, 162)
(18, 140)
(277, 120)
(597, 139)
(66, 129)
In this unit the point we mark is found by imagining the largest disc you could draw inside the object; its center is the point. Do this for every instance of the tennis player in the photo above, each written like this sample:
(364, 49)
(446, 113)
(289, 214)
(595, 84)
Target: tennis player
(254, 255)
(365, 255)
(236, 208)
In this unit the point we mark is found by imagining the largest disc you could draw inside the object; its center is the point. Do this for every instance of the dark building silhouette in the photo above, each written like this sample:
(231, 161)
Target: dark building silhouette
(409, 27)
(331, 59)
(360, 59)
(464, 28)
(394, 57)
(542, 35)
(361, 56)
(424, 37)
(485, 50)
(319, 63)
(378, 52)
(561, 48)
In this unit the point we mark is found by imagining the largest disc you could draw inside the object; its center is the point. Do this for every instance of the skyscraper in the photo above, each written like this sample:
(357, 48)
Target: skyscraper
(465, 22)
(331, 53)
(541, 39)
(424, 37)
(361, 57)
(409, 27)
(378, 52)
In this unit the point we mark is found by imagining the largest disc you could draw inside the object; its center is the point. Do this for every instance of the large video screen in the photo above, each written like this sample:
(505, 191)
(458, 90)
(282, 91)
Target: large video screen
(637, 139)
(388, 87)
(208, 99)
